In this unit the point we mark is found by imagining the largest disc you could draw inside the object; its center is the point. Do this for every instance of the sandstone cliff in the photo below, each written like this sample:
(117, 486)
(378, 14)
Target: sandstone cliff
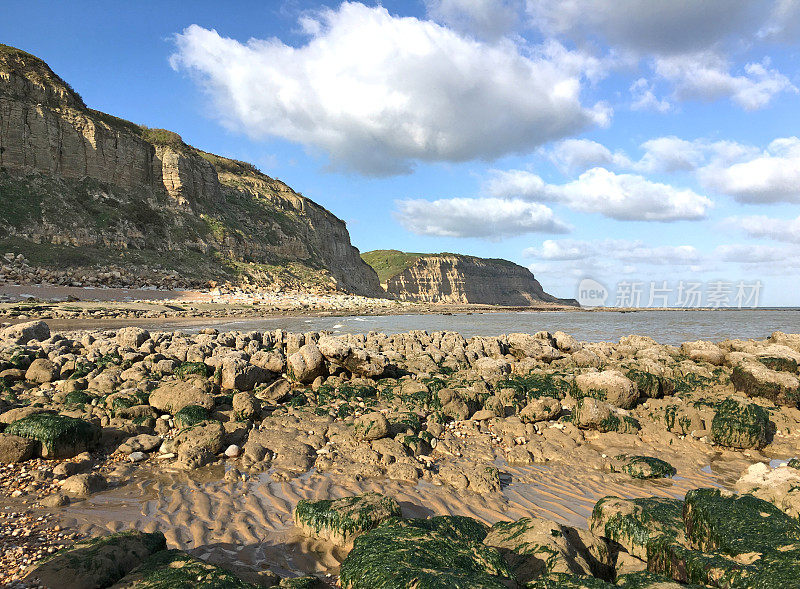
(455, 278)
(80, 188)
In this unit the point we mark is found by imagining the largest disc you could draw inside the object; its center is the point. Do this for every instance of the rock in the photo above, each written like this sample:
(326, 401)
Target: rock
(524, 345)
(21, 333)
(58, 436)
(15, 448)
(476, 478)
(137, 456)
(55, 500)
(41, 371)
(13, 415)
(371, 426)
(232, 451)
(140, 443)
(701, 351)
(271, 360)
(306, 364)
(172, 396)
(83, 485)
(591, 413)
(483, 415)
(132, 337)
(638, 524)
(756, 380)
(341, 521)
(647, 467)
(174, 568)
(610, 386)
(242, 376)
(543, 409)
(519, 455)
(492, 367)
(189, 416)
(67, 469)
(534, 546)
(737, 425)
(402, 471)
(276, 392)
(199, 445)
(99, 562)
(246, 406)
(780, 486)
(443, 551)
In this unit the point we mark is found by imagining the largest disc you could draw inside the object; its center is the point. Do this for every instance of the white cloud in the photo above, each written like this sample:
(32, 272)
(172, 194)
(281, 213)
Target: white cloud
(706, 76)
(644, 97)
(671, 154)
(485, 19)
(625, 197)
(773, 176)
(752, 253)
(783, 23)
(577, 155)
(377, 92)
(677, 26)
(490, 218)
(615, 249)
(761, 226)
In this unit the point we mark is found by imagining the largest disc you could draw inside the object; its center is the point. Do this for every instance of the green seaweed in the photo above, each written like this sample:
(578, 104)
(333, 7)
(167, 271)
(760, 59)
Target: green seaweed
(54, 431)
(346, 516)
(188, 369)
(442, 552)
(189, 416)
(567, 581)
(647, 467)
(79, 398)
(174, 569)
(738, 425)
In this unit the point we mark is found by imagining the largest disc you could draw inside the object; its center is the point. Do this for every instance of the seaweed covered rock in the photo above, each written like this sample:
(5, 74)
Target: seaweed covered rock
(542, 409)
(98, 562)
(780, 486)
(189, 416)
(172, 396)
(341, 521)
(740, 425)
(58, 436)
(591, 413)
(372, 426)
(754, 379)
(174, 569)
(443, 552)
(609, 385)
(647, 467)
(636, 523)
(568, 581)
(736, 541)
(534, 546)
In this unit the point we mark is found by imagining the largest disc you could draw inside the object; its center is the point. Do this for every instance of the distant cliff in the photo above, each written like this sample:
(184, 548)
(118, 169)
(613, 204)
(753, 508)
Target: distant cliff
(81, 188)
(455, 278)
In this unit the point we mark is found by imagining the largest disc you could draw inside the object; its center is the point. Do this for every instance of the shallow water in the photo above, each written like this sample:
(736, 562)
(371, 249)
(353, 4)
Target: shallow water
(666, 327)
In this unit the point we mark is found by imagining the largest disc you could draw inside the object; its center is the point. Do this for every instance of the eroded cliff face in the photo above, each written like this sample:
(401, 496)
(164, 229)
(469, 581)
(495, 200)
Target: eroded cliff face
(451, 278)
(71, 177)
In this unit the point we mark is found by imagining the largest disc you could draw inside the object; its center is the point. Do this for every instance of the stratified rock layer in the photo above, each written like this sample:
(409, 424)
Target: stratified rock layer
(80, 187)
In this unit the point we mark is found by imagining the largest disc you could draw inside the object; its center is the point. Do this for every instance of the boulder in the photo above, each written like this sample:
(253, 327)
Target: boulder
(22, 333)
(132, 337)
(169, 569)
(591, 413)
(172, 396)
(99, 562)
(306, 364)
(543, 409)
(647, 467)
(371, 426)
(15, 448)
(703, 351)
(83, 485)
(534, 546)
(525, 345)
(246, 406)
(609, 385)
(242, 376)
(42, 371)
(140, 443)
(754, 379)
(341, 521)
(57, 436)
(740, 425)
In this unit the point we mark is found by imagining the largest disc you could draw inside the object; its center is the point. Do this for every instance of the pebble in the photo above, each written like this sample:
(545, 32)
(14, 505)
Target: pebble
(137, 456)
(232, 451)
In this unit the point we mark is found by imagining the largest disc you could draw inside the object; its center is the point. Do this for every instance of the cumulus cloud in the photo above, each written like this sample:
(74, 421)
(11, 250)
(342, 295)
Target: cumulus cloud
(752, 253)
(578, 155)
(489, 218)
(625, 197)
(378, 92)
(485, 19)
(706, 76)
(773, 176)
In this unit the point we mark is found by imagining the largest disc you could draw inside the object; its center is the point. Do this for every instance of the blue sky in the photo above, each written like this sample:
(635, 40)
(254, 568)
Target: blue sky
(631, 142)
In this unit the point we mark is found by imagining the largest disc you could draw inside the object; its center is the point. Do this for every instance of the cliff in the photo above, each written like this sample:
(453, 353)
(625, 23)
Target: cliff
(80, 188)
(455, 278)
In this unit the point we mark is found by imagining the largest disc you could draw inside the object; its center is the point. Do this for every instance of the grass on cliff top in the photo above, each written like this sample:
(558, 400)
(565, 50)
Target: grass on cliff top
(162, 137)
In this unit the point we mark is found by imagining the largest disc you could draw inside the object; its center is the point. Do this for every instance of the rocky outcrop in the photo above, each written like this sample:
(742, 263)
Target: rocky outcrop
(89, 186)
(460, 279)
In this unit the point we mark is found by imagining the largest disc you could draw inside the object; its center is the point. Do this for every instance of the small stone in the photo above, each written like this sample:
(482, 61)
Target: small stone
(233, 451)
(137, 456)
